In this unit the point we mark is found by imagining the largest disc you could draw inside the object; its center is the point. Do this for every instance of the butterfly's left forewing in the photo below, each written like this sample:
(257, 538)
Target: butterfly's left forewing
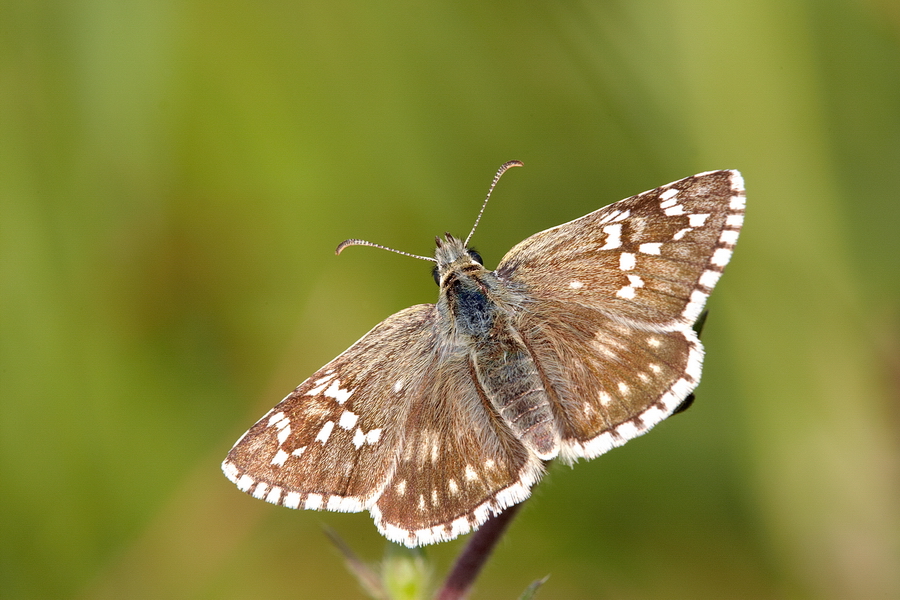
(330, 443)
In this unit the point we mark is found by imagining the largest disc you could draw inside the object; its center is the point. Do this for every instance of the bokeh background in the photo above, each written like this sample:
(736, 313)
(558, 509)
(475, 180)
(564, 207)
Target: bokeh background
(174, 177)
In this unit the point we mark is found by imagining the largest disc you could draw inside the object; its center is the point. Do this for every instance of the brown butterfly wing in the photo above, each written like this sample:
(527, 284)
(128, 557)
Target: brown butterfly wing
(613, 296)
(652, 258)
(607, 381)
(459, 462)
(330, 443)
(395, 425)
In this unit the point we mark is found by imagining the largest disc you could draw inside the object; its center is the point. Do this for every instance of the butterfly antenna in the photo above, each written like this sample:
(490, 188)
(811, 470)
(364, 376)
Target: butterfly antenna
(346, 243)
(503, 169)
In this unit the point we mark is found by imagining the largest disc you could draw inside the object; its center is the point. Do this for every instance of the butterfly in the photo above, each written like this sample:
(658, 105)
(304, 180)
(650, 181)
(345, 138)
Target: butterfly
(446, 414)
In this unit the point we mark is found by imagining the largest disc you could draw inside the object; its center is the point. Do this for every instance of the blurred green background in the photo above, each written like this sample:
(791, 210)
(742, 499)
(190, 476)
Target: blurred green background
(174, 177)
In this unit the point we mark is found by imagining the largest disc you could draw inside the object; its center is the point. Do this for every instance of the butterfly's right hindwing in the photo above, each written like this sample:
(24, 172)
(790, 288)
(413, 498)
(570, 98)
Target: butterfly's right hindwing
(608, 382)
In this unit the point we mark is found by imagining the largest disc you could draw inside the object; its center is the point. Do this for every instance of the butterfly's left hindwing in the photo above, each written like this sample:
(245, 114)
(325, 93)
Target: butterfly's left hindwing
(459, 463)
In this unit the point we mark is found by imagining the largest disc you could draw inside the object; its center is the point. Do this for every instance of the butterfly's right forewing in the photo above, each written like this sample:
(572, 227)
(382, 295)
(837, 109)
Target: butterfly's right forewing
(651, 258)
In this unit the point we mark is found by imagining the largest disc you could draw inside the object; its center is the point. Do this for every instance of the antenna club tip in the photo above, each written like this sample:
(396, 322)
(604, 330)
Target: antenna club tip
(513, 163)
(344, 244)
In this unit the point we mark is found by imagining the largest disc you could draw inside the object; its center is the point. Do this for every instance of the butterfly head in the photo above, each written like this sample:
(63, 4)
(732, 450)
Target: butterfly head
(452, 256)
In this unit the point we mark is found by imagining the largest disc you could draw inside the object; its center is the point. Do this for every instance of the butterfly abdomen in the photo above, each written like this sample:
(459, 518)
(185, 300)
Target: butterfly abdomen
(509, 378)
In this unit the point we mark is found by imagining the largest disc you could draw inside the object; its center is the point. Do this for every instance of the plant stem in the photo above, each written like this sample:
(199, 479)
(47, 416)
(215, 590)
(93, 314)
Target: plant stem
(470, 562)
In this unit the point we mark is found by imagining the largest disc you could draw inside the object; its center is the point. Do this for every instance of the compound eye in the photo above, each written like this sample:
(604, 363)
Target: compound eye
(436, 275)
(475, 256)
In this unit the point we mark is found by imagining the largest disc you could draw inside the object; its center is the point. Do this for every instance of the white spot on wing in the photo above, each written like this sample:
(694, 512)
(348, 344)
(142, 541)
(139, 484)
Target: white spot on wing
(621, 216)
(613, 237)
(274, 495)
(280, 457)
(373, 436)
(674, 210)
(575, 284)
(692, 310)
(359, 438)
(275, 418)
(609, 217)
(650, 248)
(668, 198)
(260, 490)
(435, 449)
(627, 430)
(709, 278)
(284, 433)
(626, 261)
(335, 391)
(398, 385)
(697, 220)
(231, 471)
(471, 475)
(348, 420)
(626, 293)
(325, 432)
(680, 233)
(313, 502)
(460, 526)
(321, 384)
(729, 236)
(721, 257)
